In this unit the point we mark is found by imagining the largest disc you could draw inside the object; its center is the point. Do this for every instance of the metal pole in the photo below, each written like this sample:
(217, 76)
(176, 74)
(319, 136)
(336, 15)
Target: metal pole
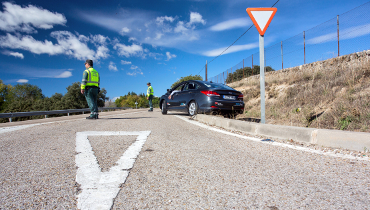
(282, 56)
(206, 71)
(227, 75)
(338, 32)
(252, 64)
(304, 47)
(262, 78)
(223, 76)
(232, 76)
(243, 69)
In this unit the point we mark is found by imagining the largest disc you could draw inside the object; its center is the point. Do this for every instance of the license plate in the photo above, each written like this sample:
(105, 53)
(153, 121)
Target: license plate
(229, 97)
(238, 104)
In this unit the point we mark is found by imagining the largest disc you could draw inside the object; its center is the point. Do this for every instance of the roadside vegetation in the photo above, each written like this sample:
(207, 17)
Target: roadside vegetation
(332, 94)
(131, 98)
(27, 98)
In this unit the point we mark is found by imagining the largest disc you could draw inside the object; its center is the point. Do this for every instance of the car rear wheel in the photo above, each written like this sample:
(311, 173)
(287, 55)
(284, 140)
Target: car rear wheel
(193, 108)
(164, 107)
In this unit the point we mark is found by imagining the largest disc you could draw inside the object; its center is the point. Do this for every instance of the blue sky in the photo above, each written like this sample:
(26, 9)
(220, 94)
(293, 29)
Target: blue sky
(45, 43)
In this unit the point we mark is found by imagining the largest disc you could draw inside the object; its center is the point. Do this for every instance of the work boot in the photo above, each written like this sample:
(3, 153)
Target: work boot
(97, 116)
(91, 118)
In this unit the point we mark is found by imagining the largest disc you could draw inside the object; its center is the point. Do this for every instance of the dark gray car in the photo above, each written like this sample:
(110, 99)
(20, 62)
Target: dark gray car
(195, 96)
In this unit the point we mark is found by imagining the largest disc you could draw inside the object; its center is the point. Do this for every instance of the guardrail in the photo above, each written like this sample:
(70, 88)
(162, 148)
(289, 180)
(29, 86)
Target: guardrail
(46, 113)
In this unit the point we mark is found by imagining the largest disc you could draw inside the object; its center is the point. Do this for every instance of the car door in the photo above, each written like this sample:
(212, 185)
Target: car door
(174, 102)
(179, 98)
(188, 94)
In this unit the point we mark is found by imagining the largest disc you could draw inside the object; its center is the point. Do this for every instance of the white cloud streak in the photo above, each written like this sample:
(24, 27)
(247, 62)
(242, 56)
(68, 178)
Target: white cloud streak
(348, 33)
(234, 48)
(15, 54)
(26, 19)
(22, 81)
(125, 62)
(231, 24)
(65, 74)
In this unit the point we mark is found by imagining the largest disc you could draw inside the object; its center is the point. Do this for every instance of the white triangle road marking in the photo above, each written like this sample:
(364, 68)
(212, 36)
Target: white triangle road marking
(100, 188)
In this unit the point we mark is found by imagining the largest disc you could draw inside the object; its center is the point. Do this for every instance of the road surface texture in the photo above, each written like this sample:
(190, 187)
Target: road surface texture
(145, 160)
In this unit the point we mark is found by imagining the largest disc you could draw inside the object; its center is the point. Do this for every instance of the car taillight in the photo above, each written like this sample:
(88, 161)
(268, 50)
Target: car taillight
(240, 97)
(209, 93)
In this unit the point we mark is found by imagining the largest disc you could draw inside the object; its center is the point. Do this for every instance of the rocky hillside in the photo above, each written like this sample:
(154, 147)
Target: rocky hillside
(330, 94)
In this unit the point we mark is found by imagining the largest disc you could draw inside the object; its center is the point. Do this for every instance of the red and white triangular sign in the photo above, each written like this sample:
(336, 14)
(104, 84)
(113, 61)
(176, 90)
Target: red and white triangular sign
(261, 18)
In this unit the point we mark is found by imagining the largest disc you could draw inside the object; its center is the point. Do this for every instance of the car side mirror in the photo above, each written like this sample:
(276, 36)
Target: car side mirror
(168, 90)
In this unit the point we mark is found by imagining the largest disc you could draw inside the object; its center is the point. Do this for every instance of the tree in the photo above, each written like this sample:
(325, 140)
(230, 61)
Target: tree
(5, 95)
(27, 91)
(248, 71)
(190, 77)
(22, 97)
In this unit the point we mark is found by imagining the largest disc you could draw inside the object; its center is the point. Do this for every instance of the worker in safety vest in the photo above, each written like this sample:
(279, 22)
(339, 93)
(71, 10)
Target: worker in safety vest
(90, 88)
(150, 95)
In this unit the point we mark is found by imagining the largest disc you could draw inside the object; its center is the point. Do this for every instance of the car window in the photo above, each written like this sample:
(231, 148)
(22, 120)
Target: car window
(179, 87)
(191, 86)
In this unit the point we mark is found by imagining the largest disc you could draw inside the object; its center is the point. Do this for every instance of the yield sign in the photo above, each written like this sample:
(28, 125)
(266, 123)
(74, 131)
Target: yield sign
(261, 18)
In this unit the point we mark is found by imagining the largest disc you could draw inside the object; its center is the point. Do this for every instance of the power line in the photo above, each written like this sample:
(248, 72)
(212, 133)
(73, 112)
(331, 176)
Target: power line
(233, 42)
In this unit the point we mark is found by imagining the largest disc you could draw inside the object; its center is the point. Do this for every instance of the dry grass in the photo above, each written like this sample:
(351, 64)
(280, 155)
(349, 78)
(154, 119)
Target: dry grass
(332, 94)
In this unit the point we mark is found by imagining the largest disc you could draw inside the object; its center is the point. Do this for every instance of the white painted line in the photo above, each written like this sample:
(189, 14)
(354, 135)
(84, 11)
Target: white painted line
(331, 154)
(14, 128)
(100, 188)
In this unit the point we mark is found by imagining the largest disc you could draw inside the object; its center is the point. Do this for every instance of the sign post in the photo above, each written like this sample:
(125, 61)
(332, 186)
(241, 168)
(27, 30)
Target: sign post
(261, 18)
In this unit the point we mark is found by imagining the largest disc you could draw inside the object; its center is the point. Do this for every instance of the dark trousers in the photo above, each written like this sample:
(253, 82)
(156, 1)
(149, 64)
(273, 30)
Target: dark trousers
(151, 102)
(91, 95)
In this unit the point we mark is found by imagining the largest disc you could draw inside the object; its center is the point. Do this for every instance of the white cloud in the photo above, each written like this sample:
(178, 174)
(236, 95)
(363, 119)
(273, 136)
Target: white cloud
(131, 39)
(22, 81)
(196, 18)
(68, 44)
(234, 48)
(149, 28)
(348, 33)
(73, 46)
(136, 71)
(124, 31)
(99, 39)
(156, 56)
(26, 19)
(112, 66)
(180, 28)
(15, 54)
(65, 74)
(160, 20)
(127, 51)
(169, 56)
(230, 24)
(30, 44)
(125, 62)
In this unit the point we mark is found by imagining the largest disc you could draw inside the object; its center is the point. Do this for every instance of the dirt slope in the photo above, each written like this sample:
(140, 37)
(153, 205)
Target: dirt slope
(330, 94)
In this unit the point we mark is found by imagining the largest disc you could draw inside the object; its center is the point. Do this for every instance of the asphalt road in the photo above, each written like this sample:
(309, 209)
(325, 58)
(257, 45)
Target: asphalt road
(145, 160)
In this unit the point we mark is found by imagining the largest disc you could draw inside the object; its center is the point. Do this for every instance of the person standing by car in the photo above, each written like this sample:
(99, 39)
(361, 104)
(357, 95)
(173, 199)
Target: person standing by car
(150, 95)
(90, 88)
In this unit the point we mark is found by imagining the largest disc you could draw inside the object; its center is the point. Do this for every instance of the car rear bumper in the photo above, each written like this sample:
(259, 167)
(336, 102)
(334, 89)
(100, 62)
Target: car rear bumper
(221, 105)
